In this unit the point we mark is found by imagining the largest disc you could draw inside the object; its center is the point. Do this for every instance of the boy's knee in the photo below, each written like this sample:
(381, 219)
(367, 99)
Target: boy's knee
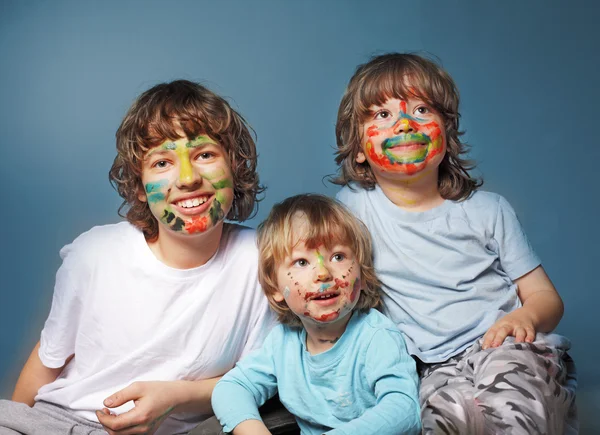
(452, 410)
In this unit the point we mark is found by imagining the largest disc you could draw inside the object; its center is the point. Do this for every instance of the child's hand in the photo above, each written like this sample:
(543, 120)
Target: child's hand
(518, 324)
(152, 406)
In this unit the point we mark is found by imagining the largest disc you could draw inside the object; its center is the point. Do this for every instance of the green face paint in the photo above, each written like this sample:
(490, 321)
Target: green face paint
(195, 190)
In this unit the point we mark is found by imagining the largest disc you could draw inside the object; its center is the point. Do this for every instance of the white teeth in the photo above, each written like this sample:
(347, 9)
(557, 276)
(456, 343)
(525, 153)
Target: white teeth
(189, 203)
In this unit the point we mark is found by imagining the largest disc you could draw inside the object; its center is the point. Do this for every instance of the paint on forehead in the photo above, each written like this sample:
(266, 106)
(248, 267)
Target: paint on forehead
(199, 141)
(403, 106)
(286, 292)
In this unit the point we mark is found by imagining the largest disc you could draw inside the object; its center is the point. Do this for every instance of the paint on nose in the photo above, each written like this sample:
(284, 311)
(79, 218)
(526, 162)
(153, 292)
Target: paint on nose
(186, 172)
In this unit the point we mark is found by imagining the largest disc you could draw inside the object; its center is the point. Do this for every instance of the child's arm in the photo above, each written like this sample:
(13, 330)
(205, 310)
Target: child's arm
(34, 376)
(251, 427)
(154, 402)
(541, 311)
(247, 386)
(392, 374)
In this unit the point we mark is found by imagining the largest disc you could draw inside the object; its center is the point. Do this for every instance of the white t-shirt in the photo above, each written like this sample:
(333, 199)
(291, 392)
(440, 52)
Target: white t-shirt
(128, 317)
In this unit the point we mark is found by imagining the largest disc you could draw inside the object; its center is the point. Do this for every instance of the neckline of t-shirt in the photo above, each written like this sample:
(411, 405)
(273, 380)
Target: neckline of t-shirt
(337, 352)
(411, 216)
(154, 265)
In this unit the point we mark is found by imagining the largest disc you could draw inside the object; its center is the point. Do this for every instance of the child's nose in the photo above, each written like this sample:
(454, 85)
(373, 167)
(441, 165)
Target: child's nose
(187, 173)
(403, 125)
(322, 273)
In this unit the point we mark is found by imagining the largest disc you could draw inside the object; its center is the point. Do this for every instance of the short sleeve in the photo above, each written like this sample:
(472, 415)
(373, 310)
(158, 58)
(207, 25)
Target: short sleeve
(516, 254)
(57, 340)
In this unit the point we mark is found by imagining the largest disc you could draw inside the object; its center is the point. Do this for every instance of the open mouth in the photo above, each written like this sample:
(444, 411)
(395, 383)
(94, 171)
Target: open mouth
(407, 146)
(192, 202)
(326, 296)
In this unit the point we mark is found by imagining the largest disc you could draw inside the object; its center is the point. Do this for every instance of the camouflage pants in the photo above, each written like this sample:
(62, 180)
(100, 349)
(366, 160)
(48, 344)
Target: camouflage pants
(513, 389)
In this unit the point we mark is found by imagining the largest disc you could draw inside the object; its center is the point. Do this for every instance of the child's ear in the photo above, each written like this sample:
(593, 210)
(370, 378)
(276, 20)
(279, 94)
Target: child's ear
(360, 157)
(141, 194)
(278, 296)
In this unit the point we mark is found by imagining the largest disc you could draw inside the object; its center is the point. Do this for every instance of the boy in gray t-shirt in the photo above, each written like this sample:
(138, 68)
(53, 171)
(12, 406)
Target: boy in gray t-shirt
(458, 275)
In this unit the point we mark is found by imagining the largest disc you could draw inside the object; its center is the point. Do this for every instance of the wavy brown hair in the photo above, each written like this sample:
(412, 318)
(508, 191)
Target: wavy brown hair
(162, 113)
(402, 75)
(329, 223)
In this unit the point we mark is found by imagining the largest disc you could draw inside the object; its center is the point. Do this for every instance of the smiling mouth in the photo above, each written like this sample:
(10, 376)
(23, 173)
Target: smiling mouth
(192, 202)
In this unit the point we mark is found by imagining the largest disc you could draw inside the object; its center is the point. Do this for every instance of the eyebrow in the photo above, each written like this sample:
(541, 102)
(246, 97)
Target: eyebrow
(200, 141)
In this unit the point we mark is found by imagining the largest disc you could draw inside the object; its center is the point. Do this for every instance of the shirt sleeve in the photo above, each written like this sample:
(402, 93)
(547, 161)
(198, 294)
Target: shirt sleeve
(391, 373)
(517, 257)
(238, 395)
(57, 341)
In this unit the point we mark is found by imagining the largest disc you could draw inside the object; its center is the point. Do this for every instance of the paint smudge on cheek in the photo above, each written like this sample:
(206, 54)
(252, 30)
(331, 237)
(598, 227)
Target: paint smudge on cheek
(372, 131)
(341, 283)
(286, 292)
(155, 191)
(355, 290)
(176, 223)
(222, 184)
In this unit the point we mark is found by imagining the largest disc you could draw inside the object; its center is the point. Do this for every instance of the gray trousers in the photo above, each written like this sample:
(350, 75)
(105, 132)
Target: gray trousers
(43, 419)
(517, 388)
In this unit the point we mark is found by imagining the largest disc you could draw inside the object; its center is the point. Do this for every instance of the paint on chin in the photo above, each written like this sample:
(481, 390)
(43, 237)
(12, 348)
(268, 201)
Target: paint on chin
(328, 317)
(198, 224)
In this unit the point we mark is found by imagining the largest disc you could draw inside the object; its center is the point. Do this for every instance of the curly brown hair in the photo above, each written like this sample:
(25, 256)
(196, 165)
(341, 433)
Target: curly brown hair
(329, 223)
(162, 113)
(385, 77)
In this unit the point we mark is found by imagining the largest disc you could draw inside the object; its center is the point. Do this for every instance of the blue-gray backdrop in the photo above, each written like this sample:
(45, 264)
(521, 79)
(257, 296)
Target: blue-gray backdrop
(527, 72)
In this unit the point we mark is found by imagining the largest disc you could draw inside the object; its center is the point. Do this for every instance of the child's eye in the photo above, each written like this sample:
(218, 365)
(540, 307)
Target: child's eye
(205, 156)
(383, 114)
(301, 262)
(422, 110)
(337, 257)
(161, 164)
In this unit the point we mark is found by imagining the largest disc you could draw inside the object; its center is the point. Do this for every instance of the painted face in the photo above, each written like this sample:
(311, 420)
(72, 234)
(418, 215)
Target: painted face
(403, 137)
(188, 184)
(319, 285)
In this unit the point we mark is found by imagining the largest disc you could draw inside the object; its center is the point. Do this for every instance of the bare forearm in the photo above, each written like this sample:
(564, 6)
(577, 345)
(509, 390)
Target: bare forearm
(545, 308)
(33, 376)
(194, 396)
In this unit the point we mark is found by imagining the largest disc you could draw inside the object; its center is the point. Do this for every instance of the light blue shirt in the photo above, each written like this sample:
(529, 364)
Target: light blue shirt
(365, 384)
(448, 272)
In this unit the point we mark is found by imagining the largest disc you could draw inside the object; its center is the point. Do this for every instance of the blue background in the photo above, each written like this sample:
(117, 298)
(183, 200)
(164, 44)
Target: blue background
(527, 71)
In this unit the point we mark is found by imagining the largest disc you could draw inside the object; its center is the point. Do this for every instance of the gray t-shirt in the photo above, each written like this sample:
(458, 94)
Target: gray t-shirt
(448, 272)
